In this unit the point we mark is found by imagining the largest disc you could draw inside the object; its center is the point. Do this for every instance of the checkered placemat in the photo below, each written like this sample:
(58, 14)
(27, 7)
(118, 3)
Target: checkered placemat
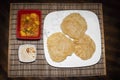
(40, 68)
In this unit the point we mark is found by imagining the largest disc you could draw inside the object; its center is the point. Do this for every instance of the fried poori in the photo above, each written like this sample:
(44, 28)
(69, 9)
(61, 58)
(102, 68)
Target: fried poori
(84, 47)
(59, 46)
(74, 25)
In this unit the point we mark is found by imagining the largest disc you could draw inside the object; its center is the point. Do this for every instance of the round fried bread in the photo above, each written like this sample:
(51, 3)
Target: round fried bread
(74, 25)
(84, 47)
(59, 46)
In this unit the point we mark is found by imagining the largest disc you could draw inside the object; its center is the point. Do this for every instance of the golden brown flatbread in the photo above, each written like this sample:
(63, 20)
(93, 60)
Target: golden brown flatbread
(74, 25)
(84, 47)
(59, 46)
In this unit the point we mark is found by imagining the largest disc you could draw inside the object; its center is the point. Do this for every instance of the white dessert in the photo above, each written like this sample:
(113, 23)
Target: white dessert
(27, 53)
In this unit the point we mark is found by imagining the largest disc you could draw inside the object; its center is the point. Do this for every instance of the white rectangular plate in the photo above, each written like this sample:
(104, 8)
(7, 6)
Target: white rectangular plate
(52, 25)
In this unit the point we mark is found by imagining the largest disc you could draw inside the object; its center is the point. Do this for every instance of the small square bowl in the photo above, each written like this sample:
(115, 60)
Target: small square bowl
(27, 53)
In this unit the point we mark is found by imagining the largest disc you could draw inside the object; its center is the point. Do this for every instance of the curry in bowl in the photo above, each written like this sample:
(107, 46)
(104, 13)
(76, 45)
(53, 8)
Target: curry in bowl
(28, 24)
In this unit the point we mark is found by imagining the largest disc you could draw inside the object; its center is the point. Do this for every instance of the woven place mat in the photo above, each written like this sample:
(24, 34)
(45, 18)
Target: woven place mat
(40, 68)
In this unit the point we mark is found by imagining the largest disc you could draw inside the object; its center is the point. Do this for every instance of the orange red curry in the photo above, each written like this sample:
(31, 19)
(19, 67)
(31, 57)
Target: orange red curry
(29, 25)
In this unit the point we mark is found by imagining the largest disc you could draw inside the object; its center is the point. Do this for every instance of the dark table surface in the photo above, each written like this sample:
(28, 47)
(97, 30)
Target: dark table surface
(111, 16)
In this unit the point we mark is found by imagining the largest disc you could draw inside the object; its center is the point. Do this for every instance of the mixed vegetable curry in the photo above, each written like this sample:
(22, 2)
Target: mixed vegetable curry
(29, 25)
